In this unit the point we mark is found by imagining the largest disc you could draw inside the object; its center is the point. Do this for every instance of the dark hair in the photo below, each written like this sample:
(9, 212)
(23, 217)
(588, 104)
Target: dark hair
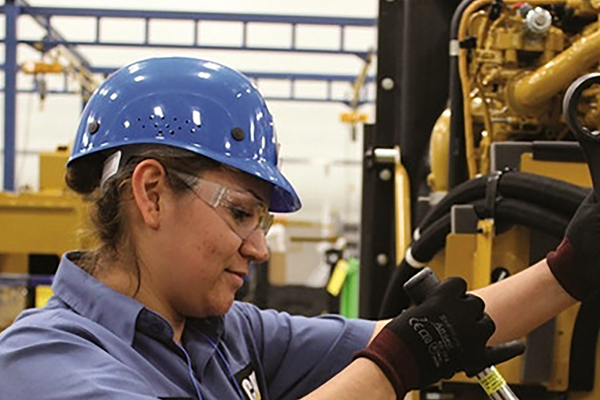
(108, 222)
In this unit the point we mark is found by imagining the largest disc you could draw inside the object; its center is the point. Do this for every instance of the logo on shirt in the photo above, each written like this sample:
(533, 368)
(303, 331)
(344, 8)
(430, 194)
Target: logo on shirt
(246, 378)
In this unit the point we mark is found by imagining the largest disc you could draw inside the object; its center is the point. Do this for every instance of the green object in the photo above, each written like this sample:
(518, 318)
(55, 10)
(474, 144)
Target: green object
(349, 293)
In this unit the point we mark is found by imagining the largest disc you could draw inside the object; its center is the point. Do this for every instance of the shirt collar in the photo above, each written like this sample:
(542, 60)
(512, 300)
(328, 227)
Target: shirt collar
(94, 300)
(214, 327)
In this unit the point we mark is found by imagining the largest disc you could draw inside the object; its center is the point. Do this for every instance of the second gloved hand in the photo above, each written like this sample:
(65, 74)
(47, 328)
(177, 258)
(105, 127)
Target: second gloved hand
(445, 334)
(576, 261)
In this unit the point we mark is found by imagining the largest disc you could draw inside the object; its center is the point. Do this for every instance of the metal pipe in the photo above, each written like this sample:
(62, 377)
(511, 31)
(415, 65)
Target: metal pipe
(402, 208)
(205, 16)
(494, 385)
(387, 156)
(529, 94)
(11, 10)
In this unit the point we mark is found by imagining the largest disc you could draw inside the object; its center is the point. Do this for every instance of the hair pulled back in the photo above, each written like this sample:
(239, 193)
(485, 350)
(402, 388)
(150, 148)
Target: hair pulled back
(109, 228)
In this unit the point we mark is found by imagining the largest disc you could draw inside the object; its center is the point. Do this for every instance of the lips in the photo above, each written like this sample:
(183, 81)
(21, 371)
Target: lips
(241, 274)
(237, 277)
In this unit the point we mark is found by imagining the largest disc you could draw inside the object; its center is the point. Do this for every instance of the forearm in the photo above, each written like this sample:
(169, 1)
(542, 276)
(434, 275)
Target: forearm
(523, 302)
(360, 380)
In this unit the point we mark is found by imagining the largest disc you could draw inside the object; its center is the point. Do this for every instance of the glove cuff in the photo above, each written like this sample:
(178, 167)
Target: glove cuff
(563, 265)
(392, 356)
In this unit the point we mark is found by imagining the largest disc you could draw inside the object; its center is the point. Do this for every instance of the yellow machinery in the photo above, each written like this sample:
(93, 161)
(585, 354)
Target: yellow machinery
(44, 223)
(475, 257)
(60, 60)
(515, 74)
(515, 60)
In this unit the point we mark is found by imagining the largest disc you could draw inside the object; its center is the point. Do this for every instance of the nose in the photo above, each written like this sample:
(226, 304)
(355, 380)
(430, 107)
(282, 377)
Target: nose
(255, 247)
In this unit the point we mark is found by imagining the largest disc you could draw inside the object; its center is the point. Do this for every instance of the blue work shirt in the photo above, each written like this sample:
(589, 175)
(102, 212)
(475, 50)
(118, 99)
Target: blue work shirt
(91, 342)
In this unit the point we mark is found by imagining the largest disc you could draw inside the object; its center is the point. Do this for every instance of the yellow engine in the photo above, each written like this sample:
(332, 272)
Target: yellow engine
(515, 60)
(514, 63)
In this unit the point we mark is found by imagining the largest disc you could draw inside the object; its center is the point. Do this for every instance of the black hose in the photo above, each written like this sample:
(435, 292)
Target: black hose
(456, 17)
(432, 241)
(396, 299)
(554, 194)
(517, 212)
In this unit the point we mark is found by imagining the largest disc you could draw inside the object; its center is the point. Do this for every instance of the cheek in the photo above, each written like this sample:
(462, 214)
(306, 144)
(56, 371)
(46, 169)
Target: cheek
(215, 248)
(203, 237)
(203, 287)
(208, 255)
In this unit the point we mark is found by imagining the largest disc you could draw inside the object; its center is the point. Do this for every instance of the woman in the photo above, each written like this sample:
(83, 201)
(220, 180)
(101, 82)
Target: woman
(179, 158)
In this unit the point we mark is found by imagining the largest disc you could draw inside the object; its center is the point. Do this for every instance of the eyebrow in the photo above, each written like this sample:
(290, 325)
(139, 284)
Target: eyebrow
(243, 176)
(253, 193)
(257, 196)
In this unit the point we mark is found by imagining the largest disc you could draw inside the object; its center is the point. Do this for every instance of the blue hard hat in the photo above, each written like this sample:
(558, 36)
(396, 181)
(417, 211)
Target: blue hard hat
(192, 104)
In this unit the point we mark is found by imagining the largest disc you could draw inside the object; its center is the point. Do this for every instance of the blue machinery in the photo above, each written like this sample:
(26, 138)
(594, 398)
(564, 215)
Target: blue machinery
(14, 9)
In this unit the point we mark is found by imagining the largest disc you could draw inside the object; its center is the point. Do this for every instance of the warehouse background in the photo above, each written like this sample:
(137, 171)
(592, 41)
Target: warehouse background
(320, 154)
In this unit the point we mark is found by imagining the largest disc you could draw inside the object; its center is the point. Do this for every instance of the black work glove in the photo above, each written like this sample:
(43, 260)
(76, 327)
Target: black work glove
(576, 261)
(445, 334)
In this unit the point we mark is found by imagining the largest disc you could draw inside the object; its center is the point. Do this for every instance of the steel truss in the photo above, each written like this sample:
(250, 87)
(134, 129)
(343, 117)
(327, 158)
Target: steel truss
(13, 9)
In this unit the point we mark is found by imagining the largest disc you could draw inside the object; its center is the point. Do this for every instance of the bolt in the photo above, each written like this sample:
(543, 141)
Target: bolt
(382, 259)
(93, 127)
(237, 133)
(385, 174)
(387, 84)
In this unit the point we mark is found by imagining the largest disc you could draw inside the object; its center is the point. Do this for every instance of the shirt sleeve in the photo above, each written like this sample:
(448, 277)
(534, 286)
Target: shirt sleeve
(52, 364)
(299, 354)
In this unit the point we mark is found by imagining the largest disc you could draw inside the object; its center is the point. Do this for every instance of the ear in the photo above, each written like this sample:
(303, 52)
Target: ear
(150, 190)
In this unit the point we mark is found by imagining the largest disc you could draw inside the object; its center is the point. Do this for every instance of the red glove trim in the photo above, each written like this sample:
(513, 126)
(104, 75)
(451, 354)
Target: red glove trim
(393, 357)
(563, 265)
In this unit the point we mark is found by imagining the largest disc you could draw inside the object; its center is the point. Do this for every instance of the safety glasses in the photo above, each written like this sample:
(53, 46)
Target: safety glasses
(241, 210)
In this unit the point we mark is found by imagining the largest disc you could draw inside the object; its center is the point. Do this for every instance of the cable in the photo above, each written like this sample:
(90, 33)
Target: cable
(226, 364)
(554, 194)
(559, 202)
(191, 372)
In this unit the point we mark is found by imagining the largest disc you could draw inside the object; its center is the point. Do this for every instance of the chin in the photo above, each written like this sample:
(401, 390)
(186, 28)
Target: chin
(220, 307)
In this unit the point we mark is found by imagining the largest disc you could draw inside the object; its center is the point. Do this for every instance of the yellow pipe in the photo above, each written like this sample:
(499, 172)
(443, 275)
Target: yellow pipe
(402, 208)
(466, 87)
(529, 93)
(469, 142)
(39, 67)
(439, 153)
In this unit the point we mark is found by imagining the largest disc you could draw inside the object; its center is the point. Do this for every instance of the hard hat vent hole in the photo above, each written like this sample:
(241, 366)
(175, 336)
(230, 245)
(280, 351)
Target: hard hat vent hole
(163, 125)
